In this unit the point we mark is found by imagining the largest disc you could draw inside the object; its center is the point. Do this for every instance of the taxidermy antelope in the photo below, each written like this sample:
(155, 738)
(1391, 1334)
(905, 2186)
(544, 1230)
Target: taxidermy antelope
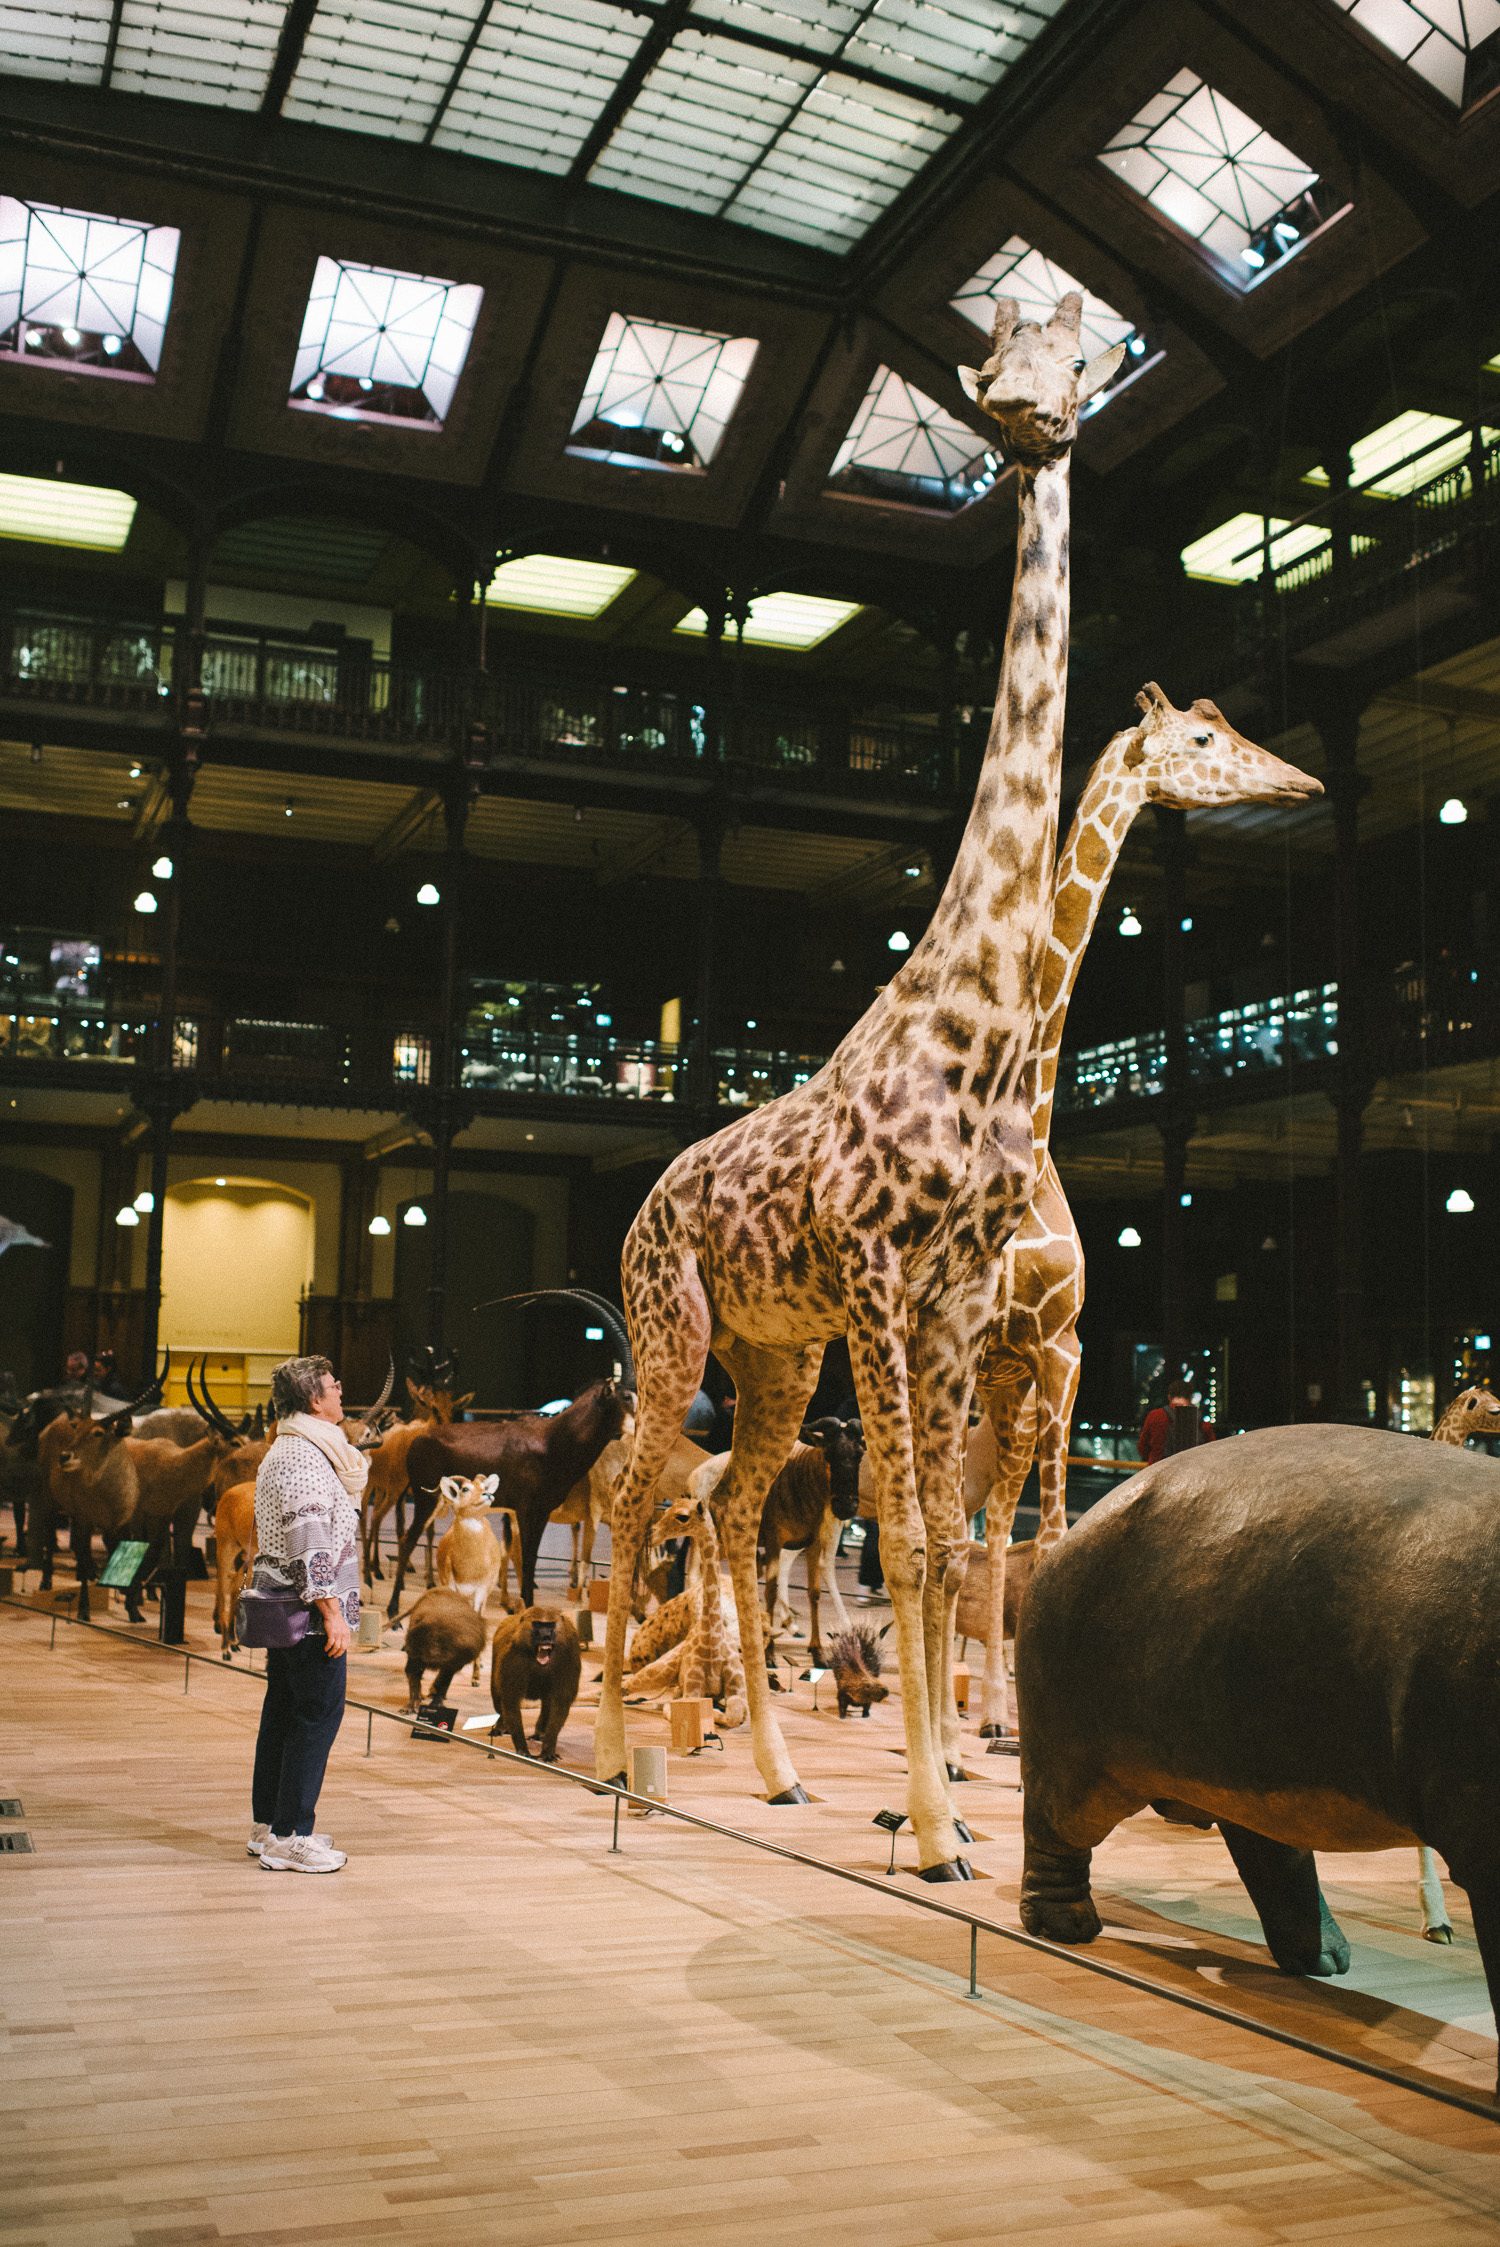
(468, 1554)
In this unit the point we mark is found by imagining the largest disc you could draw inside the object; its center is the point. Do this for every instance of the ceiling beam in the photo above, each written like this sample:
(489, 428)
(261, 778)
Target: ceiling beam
(407, 824)
(456, 75)
(106, 75)
(672, 19)
(295, 26)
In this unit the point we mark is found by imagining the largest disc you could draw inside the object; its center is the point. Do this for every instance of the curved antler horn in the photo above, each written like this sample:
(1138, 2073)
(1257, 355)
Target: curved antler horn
(384, 1397)
(216, 1418)
(595, 1303)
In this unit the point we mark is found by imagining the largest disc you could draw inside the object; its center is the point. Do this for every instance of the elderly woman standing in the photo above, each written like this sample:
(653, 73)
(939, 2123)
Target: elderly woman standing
(307, 1528)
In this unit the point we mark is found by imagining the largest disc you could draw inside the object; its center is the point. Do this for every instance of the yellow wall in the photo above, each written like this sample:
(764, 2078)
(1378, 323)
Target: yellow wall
(235, 1262)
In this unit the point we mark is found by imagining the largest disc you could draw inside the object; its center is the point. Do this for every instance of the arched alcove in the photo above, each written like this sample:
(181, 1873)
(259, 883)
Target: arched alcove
(237, 1258)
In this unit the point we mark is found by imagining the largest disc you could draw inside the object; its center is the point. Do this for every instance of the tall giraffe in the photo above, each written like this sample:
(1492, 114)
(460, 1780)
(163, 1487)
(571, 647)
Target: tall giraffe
(874, 1200)
(1183, 760)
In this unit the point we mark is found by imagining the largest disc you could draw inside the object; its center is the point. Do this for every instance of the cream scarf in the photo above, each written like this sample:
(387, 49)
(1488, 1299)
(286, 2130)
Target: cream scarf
(352, 1467)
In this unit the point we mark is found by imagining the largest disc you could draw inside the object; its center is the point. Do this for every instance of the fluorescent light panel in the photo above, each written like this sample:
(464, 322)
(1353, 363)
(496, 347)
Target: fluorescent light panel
(57, 514)
(1233, 552)
(1215, 173)
(382, 345)
(784, 620)
(1435, 37)
(1403, 454)
(84, 291)
(553, 585)
(660, 397)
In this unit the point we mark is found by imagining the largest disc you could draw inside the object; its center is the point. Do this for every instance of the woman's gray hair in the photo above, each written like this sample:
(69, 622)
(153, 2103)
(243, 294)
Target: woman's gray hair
(297, 1383)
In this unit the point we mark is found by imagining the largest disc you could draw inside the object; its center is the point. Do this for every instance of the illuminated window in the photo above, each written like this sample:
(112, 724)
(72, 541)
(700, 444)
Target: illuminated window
(660, 397)
(1037, 283)
(57, 514)
(81, 290)
(1403, 454)
(1437, 37)
(1219, 176)
(904, 447)
(1235, 551)
(383, 346)
(784, 620)
(551, 585)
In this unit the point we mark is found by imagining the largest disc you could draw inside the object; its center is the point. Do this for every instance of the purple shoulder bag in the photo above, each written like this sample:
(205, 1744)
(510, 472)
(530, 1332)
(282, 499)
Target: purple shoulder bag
(273, 1619)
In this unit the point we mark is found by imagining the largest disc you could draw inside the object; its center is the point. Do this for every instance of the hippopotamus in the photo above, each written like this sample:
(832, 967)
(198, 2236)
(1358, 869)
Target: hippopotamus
(1296, 1633)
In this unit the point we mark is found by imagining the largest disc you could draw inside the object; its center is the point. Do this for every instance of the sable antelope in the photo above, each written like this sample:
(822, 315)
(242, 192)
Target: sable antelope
(538, 1457)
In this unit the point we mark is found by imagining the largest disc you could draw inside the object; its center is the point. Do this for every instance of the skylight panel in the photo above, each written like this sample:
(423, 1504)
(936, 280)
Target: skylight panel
(383, 346)
(1235, 551)
(66, 39)
(537, 79)
(1038, 283)
(706, 114)
(1220, 177)
(198, 50)
(552, 585)
(784, 620)
(660, 397)
(955, 47)
(58, 514)
(1402, 455)
(841, 161)
(81, 290)
(903, 447)
(818, 26)
(1436, 37)
(380, 66)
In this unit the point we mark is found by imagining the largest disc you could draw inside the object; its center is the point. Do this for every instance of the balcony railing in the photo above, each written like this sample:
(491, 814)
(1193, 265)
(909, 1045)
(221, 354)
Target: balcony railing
(259, 684)
(1239, 1042)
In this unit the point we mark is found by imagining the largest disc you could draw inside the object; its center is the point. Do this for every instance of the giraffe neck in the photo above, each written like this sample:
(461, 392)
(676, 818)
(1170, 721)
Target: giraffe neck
(1112, 796)
(981, 953)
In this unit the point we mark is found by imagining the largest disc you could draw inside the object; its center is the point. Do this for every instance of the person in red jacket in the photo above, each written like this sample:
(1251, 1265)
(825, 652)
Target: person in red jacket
(1163, 1428)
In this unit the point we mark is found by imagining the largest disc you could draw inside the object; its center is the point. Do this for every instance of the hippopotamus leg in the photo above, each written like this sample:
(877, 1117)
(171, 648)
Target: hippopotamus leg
(1056, 1902)
(1301, 1933)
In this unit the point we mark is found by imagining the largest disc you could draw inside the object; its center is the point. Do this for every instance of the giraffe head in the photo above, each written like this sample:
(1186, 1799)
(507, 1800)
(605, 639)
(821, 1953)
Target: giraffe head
(1473, 1412)
(1036, 378)
(1193, 759)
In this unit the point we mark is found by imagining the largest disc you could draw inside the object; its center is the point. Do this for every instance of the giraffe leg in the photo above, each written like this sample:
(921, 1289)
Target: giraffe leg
(773, 1390)
(942, 1361)
(1057, 1393)
(1012, 1414)
(669, 1336)
(822, 1557)
(878, 1359)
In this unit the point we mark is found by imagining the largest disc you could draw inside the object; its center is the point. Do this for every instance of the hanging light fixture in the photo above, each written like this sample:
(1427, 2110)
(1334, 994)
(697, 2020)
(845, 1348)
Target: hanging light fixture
(1128, 1237)
(379, 1226)
(145, 902)
(1460, 1202)
(145, 1201)
(128, 1216)
(1453, 812)
(429, 894)
(163, 868)
(414, 1215)
(898, 941)
(1129, 922)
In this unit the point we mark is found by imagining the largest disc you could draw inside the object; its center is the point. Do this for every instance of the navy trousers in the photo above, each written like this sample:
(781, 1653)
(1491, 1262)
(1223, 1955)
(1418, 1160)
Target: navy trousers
(299, 1721)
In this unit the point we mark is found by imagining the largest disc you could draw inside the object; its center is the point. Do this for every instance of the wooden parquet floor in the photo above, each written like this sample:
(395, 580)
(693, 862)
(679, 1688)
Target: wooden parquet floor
(490, 2029)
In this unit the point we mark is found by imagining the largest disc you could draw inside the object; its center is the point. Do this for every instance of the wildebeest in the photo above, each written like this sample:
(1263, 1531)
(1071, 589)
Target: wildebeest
(1297, 1634)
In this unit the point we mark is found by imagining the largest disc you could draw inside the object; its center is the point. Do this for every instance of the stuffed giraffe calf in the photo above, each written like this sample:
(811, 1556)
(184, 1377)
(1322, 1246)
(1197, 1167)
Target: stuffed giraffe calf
(686, 1648)
(1183, 760)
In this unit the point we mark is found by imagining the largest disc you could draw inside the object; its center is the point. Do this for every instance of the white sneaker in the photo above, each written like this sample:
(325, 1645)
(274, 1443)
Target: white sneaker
(260, 1835)
(303, 1853)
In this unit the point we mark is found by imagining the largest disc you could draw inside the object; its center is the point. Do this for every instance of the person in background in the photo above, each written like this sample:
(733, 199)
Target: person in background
(1159, 1426)
(76, 1366)
(307, 1497)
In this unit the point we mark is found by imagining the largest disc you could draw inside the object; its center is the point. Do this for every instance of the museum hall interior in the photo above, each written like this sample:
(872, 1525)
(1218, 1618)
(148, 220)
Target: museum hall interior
(749, 1078)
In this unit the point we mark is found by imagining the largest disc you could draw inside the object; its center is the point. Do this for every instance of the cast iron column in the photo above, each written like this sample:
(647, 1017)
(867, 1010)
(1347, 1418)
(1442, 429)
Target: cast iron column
(166, 1098)
(442, 1109)
(1338, 723)
(1177, 1122)
(710, 830)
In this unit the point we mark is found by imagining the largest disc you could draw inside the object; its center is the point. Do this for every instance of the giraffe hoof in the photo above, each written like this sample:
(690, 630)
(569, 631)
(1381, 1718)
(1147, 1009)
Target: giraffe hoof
(962, 1830)
(620, 1779)
(957, 1869)
(793, 1793)
(1437, 1934)
(992, 1731)
(956, 1773)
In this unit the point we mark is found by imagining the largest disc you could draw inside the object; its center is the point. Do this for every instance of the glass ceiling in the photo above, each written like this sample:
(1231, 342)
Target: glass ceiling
(803, 118)
(80, 290)
(903, 447)
(659, 397)
(1436, 37)
(382, 346)
(1219, 176)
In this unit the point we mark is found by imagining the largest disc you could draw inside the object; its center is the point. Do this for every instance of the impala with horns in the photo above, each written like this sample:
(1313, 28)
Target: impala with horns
(538, 1457)
(387, 1486)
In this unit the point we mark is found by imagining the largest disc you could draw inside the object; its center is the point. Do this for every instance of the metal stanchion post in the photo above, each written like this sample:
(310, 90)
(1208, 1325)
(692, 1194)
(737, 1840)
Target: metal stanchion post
(187, 1671)
(973, 1958)
(615, 1839)
(53, 1640)
(369, 1728)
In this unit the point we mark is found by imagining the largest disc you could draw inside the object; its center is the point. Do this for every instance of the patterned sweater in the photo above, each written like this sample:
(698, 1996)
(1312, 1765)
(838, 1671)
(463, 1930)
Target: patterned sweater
(306, 1526)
